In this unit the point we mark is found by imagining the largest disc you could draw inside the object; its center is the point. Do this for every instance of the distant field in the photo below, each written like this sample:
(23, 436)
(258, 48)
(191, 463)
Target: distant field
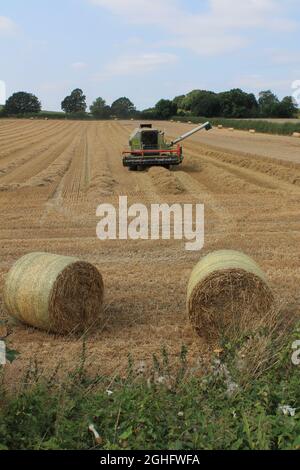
(265, 126)
(277, 120)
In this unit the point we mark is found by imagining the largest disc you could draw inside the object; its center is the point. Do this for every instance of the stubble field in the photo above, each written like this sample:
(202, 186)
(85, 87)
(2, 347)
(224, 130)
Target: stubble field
(54, 174)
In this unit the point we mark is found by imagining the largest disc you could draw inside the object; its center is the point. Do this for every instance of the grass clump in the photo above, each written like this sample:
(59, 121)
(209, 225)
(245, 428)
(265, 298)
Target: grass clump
(163, 408)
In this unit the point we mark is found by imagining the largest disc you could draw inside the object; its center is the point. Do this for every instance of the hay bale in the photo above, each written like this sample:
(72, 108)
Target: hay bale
(56, 293)
(231, 129)
(227, 294)
(252, 131)
(296, 134)
(220, 126)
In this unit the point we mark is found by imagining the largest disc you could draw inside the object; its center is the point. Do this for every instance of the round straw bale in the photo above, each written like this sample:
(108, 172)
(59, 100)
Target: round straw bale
(231, 129)
(296, 134)
(252, 131)
(220, 126)
(227, 293)
(56, 293)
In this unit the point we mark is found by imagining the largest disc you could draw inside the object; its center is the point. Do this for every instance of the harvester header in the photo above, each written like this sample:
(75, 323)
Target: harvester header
(148, 147)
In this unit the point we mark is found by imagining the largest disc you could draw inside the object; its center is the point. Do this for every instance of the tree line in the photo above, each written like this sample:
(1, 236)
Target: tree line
(233, 104)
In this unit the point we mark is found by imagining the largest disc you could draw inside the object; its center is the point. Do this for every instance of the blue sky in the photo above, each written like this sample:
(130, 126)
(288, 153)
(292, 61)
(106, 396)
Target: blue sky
(147, 49)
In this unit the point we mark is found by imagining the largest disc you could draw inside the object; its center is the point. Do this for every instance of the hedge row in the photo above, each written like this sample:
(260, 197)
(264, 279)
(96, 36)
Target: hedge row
(267, 127)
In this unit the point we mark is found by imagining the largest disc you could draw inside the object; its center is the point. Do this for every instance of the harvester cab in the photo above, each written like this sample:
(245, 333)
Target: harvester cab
(148, 147)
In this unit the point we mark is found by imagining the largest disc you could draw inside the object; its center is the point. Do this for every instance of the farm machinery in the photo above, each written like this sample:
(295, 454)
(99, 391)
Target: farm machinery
(149, 147)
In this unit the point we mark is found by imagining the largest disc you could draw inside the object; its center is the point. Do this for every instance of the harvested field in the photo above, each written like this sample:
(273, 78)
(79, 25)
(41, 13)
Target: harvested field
(54, 174)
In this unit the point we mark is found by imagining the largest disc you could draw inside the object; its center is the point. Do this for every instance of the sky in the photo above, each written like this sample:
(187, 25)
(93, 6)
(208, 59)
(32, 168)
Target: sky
(147, 49)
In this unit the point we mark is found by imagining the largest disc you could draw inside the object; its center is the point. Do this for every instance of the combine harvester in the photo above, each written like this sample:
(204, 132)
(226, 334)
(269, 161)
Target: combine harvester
(148, 147)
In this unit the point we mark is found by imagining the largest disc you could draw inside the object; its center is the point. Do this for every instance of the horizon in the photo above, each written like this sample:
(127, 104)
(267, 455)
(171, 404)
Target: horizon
(112, 48)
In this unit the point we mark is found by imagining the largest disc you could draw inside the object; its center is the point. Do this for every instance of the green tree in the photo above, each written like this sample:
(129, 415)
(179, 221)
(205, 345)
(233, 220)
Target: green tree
(21, 103)
(201, 103)
(100, 109)
(286, 108)
(149, 113)
(178, 100)
(190, 99)
(238, 104)
(75, 102)
(268, 103)
(123, 108)
(165, 109)
(206, 103)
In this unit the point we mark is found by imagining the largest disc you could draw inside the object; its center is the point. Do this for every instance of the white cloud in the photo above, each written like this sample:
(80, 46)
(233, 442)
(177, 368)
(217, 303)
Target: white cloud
(282, 57)
(79, 65)
(224, 27)
(137, 64)
(133, 41)
(54, 87)
(267, 14)
(141, 11)
(258, 83)
(7, 26)
(2, 92)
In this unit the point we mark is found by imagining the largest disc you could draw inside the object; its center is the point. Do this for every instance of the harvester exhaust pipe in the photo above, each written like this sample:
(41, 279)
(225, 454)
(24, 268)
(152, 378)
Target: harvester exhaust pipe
(207, 126)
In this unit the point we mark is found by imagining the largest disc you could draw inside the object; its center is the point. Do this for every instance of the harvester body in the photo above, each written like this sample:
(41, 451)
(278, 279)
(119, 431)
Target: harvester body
(148, 147)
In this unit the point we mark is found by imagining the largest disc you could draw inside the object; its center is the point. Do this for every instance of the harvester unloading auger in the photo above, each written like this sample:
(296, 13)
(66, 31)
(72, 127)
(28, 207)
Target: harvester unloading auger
(148, 147)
